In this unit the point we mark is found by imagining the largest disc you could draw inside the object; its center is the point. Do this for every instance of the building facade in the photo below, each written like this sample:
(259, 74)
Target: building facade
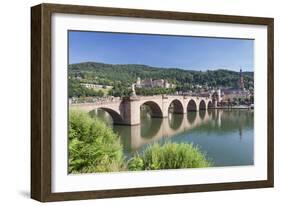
(150, 83)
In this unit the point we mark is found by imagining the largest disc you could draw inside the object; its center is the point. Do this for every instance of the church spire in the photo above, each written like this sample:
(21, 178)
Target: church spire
(241, 80)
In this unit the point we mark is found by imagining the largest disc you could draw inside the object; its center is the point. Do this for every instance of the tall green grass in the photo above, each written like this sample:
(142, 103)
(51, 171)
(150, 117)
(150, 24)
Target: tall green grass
(169, 156)
(93, 147)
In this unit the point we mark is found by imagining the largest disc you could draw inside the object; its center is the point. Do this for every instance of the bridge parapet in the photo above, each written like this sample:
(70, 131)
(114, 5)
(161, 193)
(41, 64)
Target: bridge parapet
(97, 101)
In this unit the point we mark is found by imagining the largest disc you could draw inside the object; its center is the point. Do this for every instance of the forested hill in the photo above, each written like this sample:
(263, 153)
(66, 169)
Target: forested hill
(110, 74)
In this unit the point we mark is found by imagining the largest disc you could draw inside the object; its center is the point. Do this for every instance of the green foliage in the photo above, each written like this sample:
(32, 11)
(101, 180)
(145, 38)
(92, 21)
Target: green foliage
(93, 147)
(136, 163)
(154, 91)
(77, 90)
(121, 76)
(169, 156)
(120, 90)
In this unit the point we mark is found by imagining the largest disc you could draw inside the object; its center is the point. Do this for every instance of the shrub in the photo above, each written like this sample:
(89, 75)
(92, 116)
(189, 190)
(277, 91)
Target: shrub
(169, 156)
(93, 147)
(136, 163)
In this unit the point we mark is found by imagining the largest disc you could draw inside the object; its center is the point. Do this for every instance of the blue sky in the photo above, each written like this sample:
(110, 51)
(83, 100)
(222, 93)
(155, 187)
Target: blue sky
(185, 52)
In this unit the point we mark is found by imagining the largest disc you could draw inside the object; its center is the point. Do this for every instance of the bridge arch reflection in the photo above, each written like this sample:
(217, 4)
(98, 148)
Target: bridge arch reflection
(149, 127)
(202, 114)
(154, 129)
(175, 120)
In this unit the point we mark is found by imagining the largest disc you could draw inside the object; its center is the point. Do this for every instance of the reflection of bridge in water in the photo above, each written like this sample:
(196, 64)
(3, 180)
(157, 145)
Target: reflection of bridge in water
(164, 128)
(126, 111)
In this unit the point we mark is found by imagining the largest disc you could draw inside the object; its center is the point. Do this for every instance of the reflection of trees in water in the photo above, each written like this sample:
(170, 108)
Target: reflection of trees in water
(229, 121)
(238, 117)
(241, 119)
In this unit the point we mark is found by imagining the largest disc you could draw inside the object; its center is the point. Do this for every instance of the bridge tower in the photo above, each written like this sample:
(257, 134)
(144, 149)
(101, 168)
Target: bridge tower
(216, 97)
(241, 81)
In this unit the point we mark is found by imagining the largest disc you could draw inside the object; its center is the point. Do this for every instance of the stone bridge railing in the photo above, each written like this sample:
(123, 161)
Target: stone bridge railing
(97, 101)
(106, 100)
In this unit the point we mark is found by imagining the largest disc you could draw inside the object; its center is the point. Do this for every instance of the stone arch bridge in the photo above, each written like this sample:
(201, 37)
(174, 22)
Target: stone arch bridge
(127, 110)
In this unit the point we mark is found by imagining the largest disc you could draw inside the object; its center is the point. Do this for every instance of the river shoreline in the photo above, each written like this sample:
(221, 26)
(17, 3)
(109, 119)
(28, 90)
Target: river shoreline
(236, 107)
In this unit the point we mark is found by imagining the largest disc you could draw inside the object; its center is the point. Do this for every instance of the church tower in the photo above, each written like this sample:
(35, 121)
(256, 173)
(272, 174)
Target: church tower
(241, 80)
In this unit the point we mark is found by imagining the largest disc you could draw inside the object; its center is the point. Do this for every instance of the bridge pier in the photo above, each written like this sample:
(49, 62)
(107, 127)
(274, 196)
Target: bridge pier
(131, 111)
(165, 106)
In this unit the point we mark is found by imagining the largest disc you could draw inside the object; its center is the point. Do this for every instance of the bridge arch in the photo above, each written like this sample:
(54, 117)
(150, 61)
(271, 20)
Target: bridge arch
(209, 104)
(191, 105)
(154, 108)
(176, 107)
(202, 105)
(117, 119)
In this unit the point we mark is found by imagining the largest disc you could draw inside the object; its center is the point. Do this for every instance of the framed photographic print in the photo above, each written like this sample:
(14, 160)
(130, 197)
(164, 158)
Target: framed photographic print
(130, 102)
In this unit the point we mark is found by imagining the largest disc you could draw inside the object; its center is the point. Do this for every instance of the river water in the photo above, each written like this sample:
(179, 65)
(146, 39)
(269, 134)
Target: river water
(225, 136)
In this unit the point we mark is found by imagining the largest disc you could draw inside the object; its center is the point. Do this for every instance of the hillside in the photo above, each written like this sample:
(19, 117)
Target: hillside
(126, 74)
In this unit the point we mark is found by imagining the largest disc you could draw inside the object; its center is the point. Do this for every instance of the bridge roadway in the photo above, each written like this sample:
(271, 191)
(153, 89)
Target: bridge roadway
(126, 111)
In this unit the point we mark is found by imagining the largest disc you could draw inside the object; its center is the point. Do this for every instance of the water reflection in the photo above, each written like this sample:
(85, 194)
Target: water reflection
(225, 135)
(149, 127)
(175, 120)
(154, 129)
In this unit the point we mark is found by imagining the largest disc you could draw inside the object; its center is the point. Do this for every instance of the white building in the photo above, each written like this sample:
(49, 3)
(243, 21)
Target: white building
(149, 83)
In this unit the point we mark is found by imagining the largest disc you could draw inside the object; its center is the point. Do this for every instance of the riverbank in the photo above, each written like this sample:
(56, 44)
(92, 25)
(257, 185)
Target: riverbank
(236, 107)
